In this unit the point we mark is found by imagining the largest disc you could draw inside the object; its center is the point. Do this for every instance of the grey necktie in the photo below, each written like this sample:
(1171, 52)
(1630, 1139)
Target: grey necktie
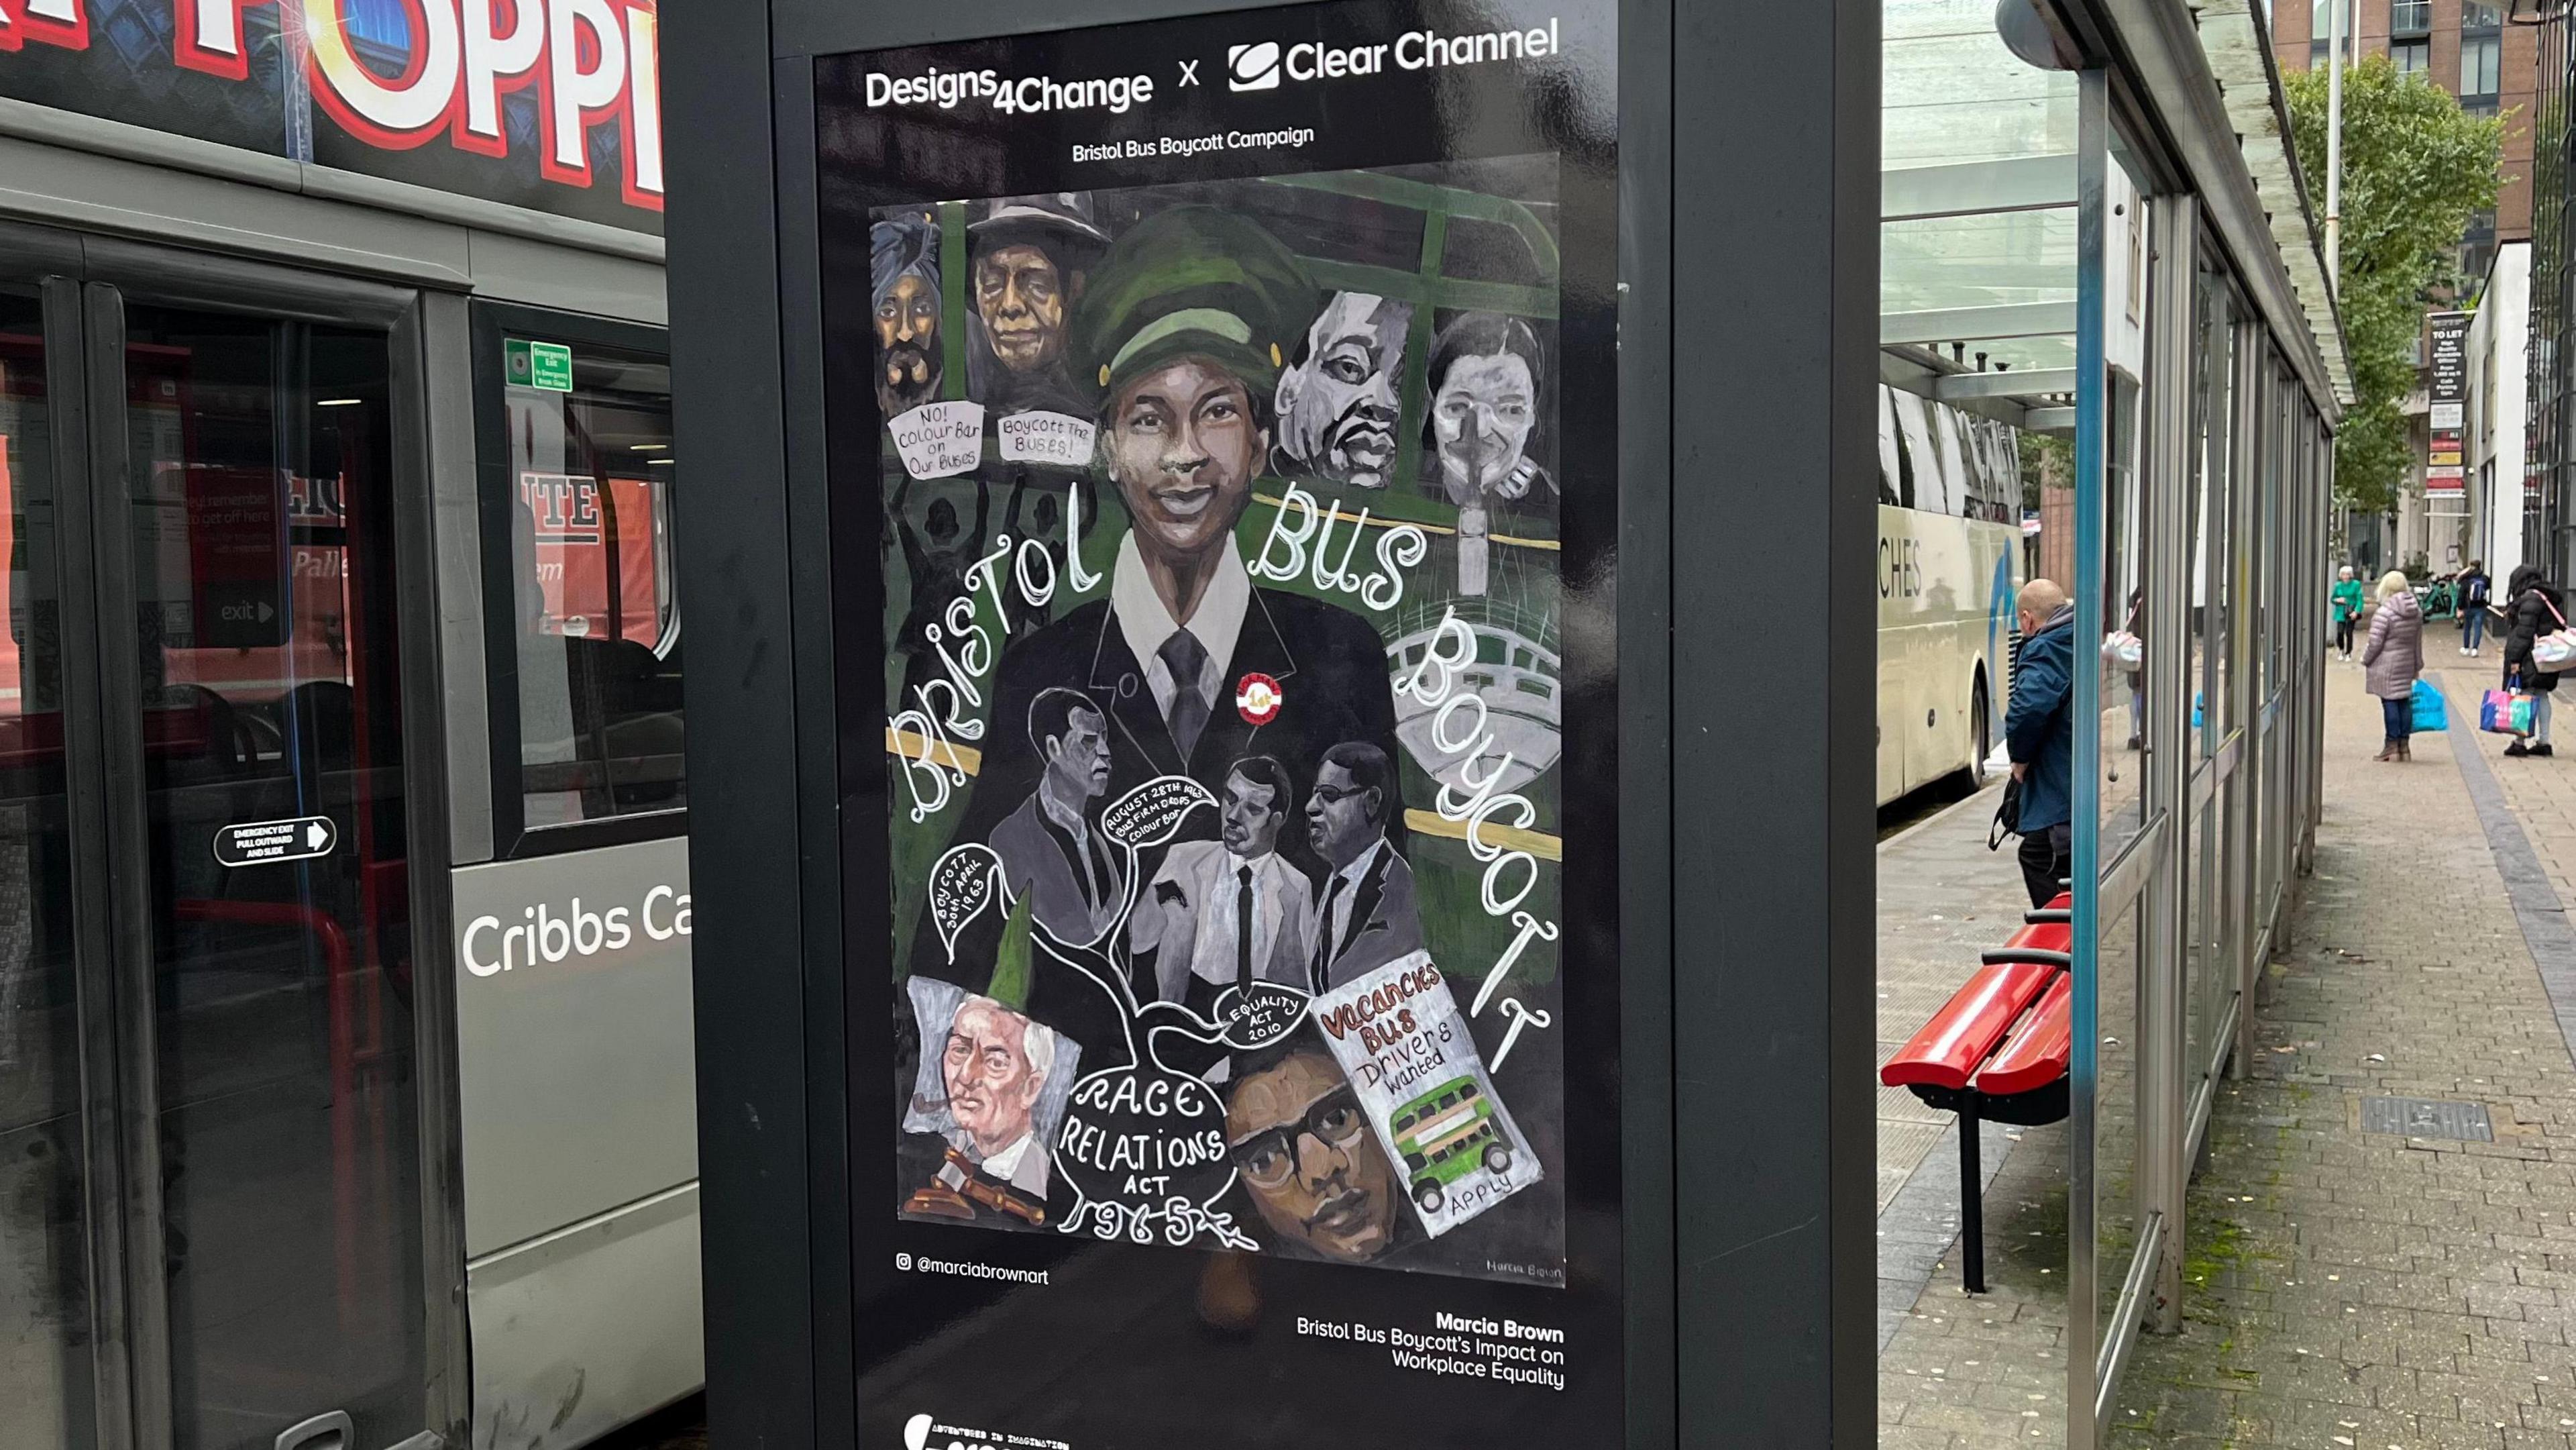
(1186, 658)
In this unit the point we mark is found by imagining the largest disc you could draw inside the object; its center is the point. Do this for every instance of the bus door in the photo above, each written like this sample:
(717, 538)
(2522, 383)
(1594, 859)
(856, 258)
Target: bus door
(212, 1156)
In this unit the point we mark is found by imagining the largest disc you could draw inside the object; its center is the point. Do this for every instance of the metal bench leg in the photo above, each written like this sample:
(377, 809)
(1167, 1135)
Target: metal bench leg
(1972, 1207)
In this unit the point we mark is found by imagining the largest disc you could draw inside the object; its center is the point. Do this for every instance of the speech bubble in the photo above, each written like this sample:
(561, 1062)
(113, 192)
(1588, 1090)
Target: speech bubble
(1152, 813)
(1259, 1015)
(1146, 1145)
(961, 885)
(940, 440)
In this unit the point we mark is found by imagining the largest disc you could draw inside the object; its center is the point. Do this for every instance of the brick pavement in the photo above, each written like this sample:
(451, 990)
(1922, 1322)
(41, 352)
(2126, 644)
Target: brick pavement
(2366, 1290)
(2343, 1289)
(2541, 792)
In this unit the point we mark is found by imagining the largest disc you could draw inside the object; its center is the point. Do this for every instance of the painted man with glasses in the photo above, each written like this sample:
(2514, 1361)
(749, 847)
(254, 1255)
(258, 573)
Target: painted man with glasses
(1302, 1145)
(1365, 913)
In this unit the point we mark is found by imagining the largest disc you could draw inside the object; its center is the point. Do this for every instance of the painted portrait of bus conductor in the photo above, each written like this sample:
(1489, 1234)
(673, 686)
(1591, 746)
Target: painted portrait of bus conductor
(903, 295)
(1337, 397)
(1178, 341)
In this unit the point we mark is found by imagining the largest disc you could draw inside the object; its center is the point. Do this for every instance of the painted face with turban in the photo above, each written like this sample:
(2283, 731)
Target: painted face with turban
(903, 288)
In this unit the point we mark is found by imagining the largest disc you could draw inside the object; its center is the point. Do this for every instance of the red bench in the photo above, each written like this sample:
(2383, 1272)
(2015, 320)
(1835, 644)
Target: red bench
(1997, 1052)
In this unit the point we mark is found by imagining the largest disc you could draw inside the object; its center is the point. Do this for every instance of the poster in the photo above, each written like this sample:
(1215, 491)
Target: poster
(1222, 451)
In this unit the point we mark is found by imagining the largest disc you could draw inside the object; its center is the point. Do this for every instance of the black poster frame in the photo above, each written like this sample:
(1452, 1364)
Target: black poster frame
(1749, 1261)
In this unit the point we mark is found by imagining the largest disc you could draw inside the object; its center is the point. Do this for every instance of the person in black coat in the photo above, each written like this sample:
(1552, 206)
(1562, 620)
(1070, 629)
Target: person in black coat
(2471, 590)
(2533, 607)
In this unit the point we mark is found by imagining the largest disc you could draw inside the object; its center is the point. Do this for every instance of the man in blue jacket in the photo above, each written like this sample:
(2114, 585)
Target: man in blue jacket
(2039, 734)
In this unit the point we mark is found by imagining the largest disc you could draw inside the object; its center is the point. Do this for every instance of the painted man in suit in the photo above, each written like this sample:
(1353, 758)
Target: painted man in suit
(987, 1161)
(1180, 335)
(1366, 916)
(1233, 911)
(1051, 847)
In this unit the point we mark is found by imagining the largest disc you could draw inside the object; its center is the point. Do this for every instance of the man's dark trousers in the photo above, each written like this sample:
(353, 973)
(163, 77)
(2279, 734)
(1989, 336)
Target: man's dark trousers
(2045, 861)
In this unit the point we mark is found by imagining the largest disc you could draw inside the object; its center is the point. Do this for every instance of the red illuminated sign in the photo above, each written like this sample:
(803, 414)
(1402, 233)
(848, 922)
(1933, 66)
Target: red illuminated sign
(392, 76)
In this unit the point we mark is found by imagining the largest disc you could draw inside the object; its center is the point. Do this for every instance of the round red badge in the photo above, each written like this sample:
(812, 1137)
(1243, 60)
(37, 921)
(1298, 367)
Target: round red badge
(1258, 697)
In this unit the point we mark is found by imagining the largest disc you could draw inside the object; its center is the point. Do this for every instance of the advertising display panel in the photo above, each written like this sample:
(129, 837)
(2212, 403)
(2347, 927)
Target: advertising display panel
(1222, 432)
(553, 105)
(2444, 470)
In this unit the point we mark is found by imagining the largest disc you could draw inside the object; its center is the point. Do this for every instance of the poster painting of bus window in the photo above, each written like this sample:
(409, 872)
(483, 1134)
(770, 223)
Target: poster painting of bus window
(1223, 679)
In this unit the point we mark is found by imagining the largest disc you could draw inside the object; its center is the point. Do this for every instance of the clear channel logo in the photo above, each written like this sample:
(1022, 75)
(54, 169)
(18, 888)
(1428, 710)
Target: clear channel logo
(1253, 67)
(1264, 65)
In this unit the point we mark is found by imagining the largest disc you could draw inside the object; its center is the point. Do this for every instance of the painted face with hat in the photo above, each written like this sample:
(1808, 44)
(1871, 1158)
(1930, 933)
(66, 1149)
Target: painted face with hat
(903, 286)
(1178, 338)
(1031, 255)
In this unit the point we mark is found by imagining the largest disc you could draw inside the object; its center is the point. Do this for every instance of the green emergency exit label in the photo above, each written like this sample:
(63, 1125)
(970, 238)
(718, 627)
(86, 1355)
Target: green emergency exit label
(546, 365)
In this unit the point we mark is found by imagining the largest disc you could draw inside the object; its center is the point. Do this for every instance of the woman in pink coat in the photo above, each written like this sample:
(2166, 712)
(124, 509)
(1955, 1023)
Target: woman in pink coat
(2394, 657)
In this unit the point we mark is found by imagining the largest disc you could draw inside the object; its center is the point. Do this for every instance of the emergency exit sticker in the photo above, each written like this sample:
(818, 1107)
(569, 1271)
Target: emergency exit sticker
(546, 365)
(261, 843)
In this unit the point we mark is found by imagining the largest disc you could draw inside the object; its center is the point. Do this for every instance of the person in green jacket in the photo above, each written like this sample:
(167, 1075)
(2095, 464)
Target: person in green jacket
(2347, 609)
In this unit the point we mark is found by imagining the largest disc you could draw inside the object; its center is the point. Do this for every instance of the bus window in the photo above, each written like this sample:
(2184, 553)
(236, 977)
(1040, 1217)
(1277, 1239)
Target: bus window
(577, 470)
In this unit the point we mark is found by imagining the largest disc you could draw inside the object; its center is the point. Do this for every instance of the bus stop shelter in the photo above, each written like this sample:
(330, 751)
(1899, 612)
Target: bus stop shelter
(1329, 890)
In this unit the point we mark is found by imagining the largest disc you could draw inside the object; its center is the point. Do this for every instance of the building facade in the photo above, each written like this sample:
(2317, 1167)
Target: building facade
(2464, 46)
(2493, 526)
(2547, 389)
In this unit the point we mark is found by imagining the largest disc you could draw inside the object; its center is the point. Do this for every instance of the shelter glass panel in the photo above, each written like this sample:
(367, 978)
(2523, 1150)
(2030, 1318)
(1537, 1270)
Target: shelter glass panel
(45, 1290)
(2125, 805)
(2117, 1148)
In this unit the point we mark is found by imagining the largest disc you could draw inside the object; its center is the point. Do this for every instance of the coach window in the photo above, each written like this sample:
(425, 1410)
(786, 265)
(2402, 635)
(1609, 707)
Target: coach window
(582, 623)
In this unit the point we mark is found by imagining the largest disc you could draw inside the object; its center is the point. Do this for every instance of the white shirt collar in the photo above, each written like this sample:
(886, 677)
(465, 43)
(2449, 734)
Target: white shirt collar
(1005, 1165)
(1218, 623)
(1358, 870)
(1077, 827)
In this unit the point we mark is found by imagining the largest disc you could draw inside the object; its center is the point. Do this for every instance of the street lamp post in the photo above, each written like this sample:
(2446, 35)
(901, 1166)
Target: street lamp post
(2335, 28)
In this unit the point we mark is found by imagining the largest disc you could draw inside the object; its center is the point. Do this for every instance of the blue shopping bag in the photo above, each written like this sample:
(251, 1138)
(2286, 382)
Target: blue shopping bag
(2429, 714)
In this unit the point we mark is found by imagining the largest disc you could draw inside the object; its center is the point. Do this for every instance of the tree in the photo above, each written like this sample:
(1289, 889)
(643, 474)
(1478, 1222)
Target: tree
(2047, 461)
(2415, 168)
